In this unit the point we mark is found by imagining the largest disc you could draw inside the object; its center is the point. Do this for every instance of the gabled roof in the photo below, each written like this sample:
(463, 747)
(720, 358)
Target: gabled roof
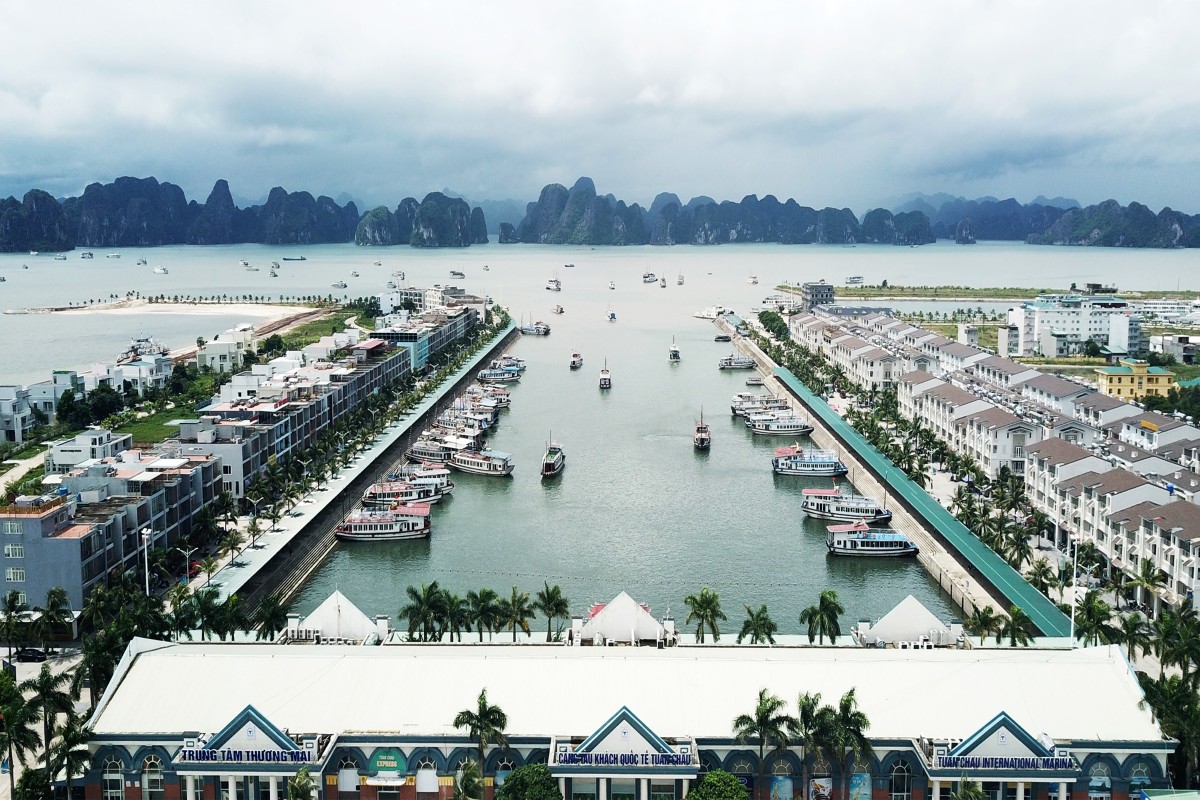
(1004, 365)
(997, 723)
(1056, 387)
(917, 376)
(624, 715)
(250, 715)
(960, 350)
(1111, 482)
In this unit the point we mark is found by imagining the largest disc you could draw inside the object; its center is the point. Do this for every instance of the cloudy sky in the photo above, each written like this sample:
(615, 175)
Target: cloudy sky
(832, 103)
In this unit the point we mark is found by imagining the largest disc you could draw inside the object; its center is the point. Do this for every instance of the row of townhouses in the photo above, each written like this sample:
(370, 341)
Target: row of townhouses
(111, 499)
(1131, 483)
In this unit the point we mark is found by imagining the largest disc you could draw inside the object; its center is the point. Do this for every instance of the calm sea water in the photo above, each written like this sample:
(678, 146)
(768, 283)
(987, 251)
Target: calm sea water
(637, 508)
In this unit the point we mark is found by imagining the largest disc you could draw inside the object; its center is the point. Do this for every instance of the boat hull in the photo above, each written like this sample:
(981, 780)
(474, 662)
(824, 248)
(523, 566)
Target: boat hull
(552, 468)
(820, 471)
(882, 519)
(495, 473)
(837, 550)
(801, 430)
(381, 537)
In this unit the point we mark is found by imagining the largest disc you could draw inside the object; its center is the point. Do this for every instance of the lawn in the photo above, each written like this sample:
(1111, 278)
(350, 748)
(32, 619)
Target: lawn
(153, 429)
(309, 332)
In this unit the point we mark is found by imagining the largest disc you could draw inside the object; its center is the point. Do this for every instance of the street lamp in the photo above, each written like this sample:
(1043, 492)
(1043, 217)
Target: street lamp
(187, 561)
(146, 532)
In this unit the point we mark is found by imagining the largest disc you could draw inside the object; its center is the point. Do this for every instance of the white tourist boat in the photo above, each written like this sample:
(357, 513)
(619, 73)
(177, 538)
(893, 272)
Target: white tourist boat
(557, 309)
(538, 328)
(673, 354)
(423, 474)
(854, 280)
(554, 285)
(498, 376)
(554, 461)
(857, 539)
(722, 337)
(612, 284)
(784, 425)
(576, 360)
(807, 461)
(243, 263)
(753, 279)
(61, 257)
(832, 504)
(160, 270)
(483, 462)
(649, 277)
(712, 312)
(663, 281)
(701, 434)
(612, 315)
(509, 360)
(455, 273)
(734, 361)
(87, 254)
(605, 376)
(141, 262)
(353, 273)
(679, 280)
(338, 285)
(755, 380)
(745, 402)
(394, 524)
(377, 263)
(437, 449)
(386, 494)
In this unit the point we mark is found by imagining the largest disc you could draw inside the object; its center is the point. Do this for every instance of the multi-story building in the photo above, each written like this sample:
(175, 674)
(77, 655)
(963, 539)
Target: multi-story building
(1178, 345)
(1133, 378)
(1100, 410)
(227, 351)
(1002, 372)
(816, 294)
(66, 454)
(996, 438)
(1055, 393)
(1076, 318)
(1152, 431)
(16, 414)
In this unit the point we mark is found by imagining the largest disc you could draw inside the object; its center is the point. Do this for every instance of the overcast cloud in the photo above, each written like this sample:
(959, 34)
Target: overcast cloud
(832, 103)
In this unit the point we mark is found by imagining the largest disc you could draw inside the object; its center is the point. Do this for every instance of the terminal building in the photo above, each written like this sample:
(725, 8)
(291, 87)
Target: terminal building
(226, 721)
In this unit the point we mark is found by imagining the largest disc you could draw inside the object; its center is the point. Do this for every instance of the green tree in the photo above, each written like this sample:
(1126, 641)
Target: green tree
(515, 612)
(17, 736)
(300, 786)
(485, 723)
(270, 617)
(967, 789)
(16, 620)
(1134, 634)
(1093, 620)
(1017, 627)
(1042, 576)
(845, 731)
(705, 610)
(423, 611)
(768, 725)
(552, 605)
(808, 732)
(822, 619)
(47, 692)
(468, 784)
(758, 626)
(983, 622)
(53, 616)
(69, 753)
(530, 782)
(484, 608)
(717, 784)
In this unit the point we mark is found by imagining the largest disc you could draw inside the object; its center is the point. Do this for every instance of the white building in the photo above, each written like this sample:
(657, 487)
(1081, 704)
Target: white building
(1077, 318)
(66, 454)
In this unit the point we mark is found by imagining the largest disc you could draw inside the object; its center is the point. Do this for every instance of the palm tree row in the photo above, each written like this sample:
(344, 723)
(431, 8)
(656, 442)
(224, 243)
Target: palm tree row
(435, 614)
(832, 734)
(821, 619)
(40, 724)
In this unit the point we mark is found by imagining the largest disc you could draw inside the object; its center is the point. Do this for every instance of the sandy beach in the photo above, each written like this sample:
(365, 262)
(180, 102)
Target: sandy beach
(259, 311)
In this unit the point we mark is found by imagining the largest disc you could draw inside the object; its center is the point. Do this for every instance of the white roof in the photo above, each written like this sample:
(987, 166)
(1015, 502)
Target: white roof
(623, 620)
(941, 693)
(908, 621)
(338, 618)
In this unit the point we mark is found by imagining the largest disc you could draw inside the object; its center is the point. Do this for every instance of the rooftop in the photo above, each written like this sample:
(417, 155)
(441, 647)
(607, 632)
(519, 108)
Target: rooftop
(1056, 386)
(1057, 451)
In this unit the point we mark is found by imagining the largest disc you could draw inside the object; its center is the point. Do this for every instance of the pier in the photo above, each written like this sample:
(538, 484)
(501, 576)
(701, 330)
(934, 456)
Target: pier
(965, 568)
(283, 558)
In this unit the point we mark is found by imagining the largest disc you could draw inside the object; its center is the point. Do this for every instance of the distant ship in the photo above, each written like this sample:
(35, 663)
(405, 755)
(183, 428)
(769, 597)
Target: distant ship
(295, 258)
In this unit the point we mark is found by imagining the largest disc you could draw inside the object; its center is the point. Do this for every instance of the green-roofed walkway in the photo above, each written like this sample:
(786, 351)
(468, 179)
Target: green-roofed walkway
(985, 565)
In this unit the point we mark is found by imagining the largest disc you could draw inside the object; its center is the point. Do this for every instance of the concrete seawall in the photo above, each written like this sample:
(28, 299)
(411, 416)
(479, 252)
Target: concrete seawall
(966, 592)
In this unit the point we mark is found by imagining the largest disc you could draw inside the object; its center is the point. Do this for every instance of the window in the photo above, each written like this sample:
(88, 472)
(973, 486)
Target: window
(347, 778)
(900, 787)
(14, 551)
(12, 528)
(13, 575)
(112, 781)
(152, 779)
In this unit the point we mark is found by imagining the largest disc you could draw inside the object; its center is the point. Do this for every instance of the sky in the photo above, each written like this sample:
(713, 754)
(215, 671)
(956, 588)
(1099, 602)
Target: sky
(834, 103)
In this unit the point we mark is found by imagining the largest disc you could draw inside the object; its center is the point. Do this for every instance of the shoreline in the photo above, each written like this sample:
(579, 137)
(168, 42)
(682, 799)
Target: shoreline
(195, 308)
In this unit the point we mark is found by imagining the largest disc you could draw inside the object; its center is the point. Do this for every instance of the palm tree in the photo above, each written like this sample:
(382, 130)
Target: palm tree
(769, 724)
(515, 612)
(983, 622)
(69, 754)
(16, 618)
(209, 565)
(17, 737)
(1042, 576)
(968, 789)
(1017, 628)
(270, 617)
(56, 613)
(1134, 633)
(759, 626)
(552, 605)
(1149, 580)
(300, 786)
(822, 619)
(808, 732)
(705, 610)
(469, 785)
(231, 542)
(423, 611)
(457, 615)
(1093, 620)
(206, 606)
(47, 694)
(483, 606)
(846, 736)
(485, 723)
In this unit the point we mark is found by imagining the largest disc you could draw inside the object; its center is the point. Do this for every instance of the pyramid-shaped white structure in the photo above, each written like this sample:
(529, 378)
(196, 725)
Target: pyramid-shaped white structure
(338, 618)
(908, 622)
(623, 620)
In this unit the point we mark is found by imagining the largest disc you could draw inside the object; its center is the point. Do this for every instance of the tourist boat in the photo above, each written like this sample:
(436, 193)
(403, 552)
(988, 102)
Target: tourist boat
(508, 360)
(554, 461)
(353, 273)
(486, 268)
(423, 474)
(679, 280)
(612, 284)
(854, 280)
(251, 269)
(649, 277)
(760, 405)
(394, 524)
(712, 312)
(673, 352)
(612, 315)
(754, 380)
(338, 285)
(557, 309)
(663, 281)
(386, 494)
(141, 347)
(160, 270)
(295, 258)
(752, 279)
(538, 328)
(110, 255)
(87, 254)
(701, 434)
(35, 252)
(436, 449)
(398, 274)
(569, 266)
(734, 361)
(377, 263)
(605, 376)
(61, 257)
(722, 337)
(243, 263)
(391, 284)
(554, 285)
(576, 360)
(785, 425)
(833, 505)
(275, 264)
(857, 539)
(498, 376)
(141, 262)
(807, 461)
(273, 274)
(483, 462)
(24, 266)
(454, 273)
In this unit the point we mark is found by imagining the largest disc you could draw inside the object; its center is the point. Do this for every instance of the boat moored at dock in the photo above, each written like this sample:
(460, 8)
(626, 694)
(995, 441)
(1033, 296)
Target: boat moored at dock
(778, 425)
(498, 376)
(483, 462)
(649, 277)
(386, 494)
(712, 312)
(858, 539)
(807, 461)
(734, 361)
(832, 504)
(394, 524)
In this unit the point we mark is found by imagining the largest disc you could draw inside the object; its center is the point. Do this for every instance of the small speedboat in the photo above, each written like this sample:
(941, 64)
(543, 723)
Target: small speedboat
(353, 273)
(454, 273)
(649, 277)
(752, 279)
(338, 285)
(557, 309)
(554, 461)
(612, 285)
(378, 263)
(61, 257)
(576, 360)
(160, 270)
(141, 262)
